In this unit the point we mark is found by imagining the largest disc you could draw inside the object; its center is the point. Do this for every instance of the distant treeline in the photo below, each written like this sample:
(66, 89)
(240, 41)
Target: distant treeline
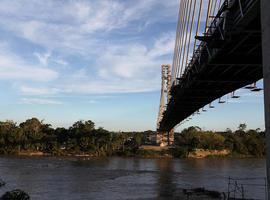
(240, 142)
(83, 138)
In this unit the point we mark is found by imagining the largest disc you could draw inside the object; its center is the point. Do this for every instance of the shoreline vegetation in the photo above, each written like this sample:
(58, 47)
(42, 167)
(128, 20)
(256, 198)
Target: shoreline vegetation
(35, 138)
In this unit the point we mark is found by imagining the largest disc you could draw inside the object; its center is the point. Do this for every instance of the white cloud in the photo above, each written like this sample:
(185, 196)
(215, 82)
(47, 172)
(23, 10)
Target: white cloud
(121, 69)
(136, 61)
(15, 67)
(71, 28)
(125, 62)
(110, 87)
(92, 101)
(60, 61)
(39, 101)
(43, 58)
(163, 45)
(32, 91)
(83, 28)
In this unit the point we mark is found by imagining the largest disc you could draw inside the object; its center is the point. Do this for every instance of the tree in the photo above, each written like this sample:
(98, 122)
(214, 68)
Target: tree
(228, 130)
(83, 126)
(138, 139)
(242, 127)
(32, 128)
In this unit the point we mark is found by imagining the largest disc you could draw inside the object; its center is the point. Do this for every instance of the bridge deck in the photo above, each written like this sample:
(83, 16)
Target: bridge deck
(227, 59)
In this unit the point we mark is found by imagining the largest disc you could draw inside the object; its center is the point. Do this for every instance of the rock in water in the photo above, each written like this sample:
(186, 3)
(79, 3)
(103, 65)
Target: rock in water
(15, 195)
(2, 183)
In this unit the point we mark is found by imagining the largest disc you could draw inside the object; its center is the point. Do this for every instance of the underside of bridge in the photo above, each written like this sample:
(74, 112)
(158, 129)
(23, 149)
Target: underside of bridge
(228, 57)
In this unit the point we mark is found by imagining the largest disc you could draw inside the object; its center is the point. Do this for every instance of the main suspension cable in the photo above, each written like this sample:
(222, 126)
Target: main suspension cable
(198, 24)
(182, 37)
(177, 41)
(191, 29)
(207, 16)
(185, 41)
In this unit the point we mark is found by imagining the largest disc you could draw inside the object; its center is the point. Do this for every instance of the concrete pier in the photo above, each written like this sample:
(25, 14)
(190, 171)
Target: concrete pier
(265, 19)
(164, 139)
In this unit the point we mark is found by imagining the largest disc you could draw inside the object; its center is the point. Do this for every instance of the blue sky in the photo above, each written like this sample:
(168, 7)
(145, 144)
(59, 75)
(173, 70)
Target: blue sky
(64, 61)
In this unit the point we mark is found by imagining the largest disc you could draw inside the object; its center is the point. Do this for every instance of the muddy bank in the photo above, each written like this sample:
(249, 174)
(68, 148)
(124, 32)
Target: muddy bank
(143, 152)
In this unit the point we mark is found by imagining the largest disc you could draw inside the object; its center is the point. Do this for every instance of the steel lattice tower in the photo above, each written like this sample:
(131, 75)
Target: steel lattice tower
(164, 138)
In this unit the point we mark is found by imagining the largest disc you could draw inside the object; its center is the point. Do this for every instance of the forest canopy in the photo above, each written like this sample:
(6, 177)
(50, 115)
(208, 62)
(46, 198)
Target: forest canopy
(84, 138)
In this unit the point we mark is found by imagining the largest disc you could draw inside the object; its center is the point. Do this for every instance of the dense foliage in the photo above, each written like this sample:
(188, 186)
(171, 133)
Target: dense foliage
(84, 139)
(239, 142)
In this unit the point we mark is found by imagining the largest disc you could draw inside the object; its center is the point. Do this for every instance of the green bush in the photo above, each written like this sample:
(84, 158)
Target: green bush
(179, 152)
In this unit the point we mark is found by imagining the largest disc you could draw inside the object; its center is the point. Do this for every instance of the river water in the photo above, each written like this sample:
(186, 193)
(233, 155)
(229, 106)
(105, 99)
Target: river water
(126, 178)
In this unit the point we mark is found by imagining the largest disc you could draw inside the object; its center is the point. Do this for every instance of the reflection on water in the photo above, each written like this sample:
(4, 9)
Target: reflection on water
(122, 178)
(166, 186)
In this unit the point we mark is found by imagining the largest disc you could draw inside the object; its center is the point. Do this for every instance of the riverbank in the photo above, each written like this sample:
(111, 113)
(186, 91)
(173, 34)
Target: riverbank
(145, 151)
(58, 154)
(148, 151)
(204, 153)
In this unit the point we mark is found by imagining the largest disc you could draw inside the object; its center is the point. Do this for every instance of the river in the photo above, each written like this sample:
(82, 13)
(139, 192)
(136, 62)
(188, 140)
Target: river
(47, 178)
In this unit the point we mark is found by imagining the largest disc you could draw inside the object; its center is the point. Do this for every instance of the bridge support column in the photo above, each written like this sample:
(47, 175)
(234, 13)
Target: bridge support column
(165, 138)
(162, 139)
(265, 19)
(171, 137)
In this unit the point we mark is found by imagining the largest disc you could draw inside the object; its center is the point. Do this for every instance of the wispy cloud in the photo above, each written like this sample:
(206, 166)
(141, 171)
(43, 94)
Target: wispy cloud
(104, 34)
(14, 67)
(71, 28)
(38, 91)
(39, 101)
(43, 59)
(92, 101)
(120, 69)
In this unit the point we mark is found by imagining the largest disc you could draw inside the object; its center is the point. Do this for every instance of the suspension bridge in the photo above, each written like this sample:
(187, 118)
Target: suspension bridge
(221, 46)
(218, 50)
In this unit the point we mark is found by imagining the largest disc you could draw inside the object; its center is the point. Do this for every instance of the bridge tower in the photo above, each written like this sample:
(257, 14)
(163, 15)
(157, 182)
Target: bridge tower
(164, 138)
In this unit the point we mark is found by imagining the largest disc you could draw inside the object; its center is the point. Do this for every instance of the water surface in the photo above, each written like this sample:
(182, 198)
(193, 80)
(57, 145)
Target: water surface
(125, 178)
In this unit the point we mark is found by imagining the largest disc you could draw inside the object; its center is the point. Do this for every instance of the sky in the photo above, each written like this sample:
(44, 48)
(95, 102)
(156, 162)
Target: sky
(100, 60)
